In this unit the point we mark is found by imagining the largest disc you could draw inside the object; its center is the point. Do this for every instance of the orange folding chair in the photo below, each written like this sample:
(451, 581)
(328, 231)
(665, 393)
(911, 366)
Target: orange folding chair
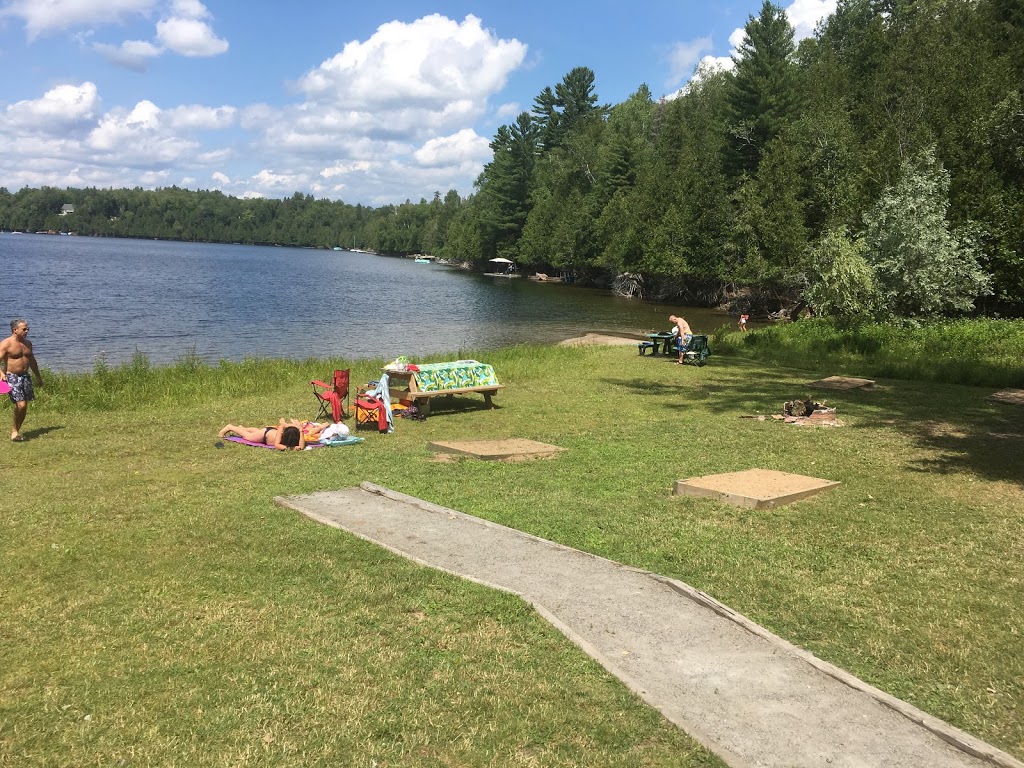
(332, 397)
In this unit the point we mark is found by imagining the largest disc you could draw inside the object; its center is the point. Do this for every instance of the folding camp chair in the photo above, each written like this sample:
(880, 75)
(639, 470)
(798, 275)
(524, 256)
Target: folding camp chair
(695, 351)
(332, 397)
(370, 407)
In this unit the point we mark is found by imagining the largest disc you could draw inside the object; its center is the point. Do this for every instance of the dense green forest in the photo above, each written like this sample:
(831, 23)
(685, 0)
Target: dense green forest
(875, 169)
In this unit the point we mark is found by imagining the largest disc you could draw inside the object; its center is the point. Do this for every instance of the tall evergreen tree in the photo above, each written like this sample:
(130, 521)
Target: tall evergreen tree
(506, 185)
(545, 112)
(764, 95)
(576, 99)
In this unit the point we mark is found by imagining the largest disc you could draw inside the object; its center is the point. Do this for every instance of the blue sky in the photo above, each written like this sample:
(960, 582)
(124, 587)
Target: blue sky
(364, 102)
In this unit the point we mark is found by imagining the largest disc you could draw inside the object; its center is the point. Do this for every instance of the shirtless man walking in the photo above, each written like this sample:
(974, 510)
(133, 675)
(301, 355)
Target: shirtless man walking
(16, 359)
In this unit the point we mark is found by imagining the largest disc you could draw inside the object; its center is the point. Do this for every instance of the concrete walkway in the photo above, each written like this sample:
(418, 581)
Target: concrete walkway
(748, 695)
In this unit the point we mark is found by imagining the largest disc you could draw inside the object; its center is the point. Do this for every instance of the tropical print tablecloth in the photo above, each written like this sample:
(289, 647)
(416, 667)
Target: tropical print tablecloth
(434, 377)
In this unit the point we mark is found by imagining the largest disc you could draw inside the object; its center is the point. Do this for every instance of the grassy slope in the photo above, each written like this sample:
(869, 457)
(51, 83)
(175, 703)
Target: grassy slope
(149, 583)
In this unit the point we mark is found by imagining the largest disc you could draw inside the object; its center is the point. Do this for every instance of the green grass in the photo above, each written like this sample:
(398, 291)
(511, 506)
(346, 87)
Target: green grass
(159, 609)
(979, 352)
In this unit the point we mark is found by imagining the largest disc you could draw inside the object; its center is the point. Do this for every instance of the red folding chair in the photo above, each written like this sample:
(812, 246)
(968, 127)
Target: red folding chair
(332, 397)
(369, 409)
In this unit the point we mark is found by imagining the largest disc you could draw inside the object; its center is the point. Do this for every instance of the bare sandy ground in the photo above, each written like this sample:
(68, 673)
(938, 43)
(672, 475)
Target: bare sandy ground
(599, 339)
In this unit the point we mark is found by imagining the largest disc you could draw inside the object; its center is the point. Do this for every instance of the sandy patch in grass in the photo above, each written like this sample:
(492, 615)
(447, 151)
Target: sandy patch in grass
(599, 339)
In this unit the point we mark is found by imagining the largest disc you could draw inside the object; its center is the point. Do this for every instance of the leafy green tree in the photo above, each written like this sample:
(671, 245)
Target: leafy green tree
(923, 268)
(770, 215)
(463, 237)
(842, 281)
(620, 232)
(829, 168)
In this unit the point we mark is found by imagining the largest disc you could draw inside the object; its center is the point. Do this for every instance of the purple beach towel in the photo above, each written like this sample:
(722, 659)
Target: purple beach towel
(345, 441)
(243, 441)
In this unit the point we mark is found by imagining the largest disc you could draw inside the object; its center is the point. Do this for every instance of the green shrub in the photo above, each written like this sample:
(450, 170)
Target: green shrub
(982, 352)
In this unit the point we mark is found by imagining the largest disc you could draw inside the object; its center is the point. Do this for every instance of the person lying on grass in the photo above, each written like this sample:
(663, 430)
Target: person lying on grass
(282, 437)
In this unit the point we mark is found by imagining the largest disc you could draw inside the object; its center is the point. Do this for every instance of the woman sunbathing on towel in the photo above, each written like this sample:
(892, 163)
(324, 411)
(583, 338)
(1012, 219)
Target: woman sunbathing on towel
(282, 437)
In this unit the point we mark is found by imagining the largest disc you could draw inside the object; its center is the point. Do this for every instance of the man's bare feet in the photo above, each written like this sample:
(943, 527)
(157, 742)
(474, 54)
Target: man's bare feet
(16, 438)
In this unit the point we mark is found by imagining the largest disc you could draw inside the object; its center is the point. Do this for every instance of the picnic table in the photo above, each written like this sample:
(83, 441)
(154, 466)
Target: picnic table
(665, 340)
(432, 380)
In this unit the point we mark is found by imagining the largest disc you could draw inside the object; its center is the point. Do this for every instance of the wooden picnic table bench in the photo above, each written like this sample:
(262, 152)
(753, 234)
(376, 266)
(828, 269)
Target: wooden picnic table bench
(409, 391)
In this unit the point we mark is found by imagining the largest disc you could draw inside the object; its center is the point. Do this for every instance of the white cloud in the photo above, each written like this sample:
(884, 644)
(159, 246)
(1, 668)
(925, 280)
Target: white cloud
(43, 16)
(712, 64)
(60, 108)
(64, 138)
(183, 29)
(430, 62)
(684, 56)
(118, 125)
(388, 112)
(393, 109)
(280, 182)
(200, 117)
(190, 9)
(139, 138)
(804, 15)
(455, 150)
(736, 40)
(340, 169)
(508, 111)
(154, 178)
(189, 37)
(251, 195)
(214, 157)
(132, 54)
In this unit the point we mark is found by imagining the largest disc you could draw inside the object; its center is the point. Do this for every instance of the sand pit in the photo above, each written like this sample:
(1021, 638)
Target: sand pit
(514, 449)
(753, 488)
(843, 382)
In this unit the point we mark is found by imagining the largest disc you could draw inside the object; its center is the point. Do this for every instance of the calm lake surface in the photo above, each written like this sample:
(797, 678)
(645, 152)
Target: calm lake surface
(87, 298)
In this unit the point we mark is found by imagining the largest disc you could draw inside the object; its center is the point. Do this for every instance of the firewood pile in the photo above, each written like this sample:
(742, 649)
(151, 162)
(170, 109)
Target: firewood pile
(809, 413)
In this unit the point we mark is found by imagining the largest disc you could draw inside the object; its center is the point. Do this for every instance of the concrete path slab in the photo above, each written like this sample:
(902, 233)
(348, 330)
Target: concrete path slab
(753, 488)
(750, 696)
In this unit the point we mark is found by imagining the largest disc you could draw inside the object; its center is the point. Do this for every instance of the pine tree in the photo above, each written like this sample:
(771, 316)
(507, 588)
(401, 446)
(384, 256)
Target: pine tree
(506, 185)
(763, 98)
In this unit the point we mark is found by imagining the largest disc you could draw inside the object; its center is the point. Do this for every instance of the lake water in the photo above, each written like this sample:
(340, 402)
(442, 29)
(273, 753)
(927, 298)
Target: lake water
(86, 298)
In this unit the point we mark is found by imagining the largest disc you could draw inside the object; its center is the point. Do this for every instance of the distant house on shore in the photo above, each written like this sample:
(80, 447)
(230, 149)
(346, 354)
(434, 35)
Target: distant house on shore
(66, 209)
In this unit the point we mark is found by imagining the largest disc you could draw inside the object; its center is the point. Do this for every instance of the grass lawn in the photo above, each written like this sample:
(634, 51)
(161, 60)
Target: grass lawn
(158, 609)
